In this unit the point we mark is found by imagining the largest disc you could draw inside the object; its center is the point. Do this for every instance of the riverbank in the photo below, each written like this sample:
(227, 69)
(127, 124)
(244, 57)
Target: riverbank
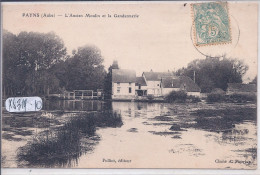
(143, 127)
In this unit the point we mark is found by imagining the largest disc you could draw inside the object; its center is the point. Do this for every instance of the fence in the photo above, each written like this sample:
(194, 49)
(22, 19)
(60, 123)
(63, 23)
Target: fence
(79, 95)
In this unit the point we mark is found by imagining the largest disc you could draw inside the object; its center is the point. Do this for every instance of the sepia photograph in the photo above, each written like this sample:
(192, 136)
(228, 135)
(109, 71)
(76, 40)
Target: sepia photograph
(129, 85)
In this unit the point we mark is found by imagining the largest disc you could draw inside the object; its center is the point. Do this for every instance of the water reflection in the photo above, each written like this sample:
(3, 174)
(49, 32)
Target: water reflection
(230, 127)
(74, 105)
(62, 146)
(197, 132)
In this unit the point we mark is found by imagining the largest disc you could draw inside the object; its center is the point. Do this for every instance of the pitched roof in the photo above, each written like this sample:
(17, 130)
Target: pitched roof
(178, 82)
(141, 81)
(123, 76)
(239, 87)
(156, 76)
(170, 82)
(190, 85)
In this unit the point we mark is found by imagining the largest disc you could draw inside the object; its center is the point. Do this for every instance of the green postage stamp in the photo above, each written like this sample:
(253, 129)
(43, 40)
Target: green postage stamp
(211, 24)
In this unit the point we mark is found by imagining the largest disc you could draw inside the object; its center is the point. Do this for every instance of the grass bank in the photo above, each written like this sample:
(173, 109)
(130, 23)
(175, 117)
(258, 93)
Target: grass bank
(65, 144)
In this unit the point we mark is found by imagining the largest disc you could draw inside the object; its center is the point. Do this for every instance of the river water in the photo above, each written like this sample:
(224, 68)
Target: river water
(151, 135)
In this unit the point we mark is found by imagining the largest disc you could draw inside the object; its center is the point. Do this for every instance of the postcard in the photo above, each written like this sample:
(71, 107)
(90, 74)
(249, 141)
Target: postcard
(129, 85)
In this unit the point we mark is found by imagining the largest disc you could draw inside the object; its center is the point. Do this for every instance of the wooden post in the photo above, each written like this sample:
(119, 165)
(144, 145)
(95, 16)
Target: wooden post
(92, 94)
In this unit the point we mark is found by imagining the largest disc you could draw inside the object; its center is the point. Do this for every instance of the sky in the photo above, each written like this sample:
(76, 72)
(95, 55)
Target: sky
(158, 39)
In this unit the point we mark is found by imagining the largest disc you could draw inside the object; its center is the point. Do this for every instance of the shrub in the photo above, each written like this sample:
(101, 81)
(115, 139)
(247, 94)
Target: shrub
(176, 96)
(215, 97)
(193, 99)
(241, 98)
(150, 97)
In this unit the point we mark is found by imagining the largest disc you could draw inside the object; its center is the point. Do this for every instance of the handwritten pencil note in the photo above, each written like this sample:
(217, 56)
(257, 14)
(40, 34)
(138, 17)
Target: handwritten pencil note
(23, 104)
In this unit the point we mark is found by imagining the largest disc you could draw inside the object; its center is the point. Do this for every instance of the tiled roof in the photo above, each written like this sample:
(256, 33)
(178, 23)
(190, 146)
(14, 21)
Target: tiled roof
(179, 82)
(239, 87)
(140, 81)
(156, 76)
(190, 85)
(123, 76)
(170, 82)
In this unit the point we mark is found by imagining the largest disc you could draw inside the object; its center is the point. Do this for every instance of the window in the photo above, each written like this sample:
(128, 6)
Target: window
(158, 84)
(184, 86)
(130, 90)
(118, 84)
(139, 86)
(118, 89)
(129, 84)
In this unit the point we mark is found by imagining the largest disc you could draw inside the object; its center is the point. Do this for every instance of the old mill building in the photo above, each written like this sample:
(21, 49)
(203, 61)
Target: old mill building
(126, 86)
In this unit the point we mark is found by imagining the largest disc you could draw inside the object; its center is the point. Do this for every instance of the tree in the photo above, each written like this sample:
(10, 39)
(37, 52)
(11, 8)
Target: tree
(84, 69)
(41, 50)
(108, 80)
(60, 70)
(13, 81)
(28, 58)
(214, 72)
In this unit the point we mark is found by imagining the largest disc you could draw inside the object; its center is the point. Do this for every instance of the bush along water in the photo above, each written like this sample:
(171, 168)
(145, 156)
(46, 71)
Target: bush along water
(150, 97)
(193, 99)
(233, 98)
(242, 98)
(64, 145)
(176, 96)
(216, 97)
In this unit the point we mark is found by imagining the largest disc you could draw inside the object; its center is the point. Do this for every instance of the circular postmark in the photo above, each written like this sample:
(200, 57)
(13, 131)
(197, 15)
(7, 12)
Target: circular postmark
(217, 50)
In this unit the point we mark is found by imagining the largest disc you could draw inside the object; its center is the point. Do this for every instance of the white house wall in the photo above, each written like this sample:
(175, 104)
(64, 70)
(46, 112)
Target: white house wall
(196, 94)
(153, 88)
(124, 91)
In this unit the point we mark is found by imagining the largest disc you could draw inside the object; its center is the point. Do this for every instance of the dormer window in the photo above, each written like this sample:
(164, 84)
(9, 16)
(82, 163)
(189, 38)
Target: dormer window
(130, 83)
(118, 84)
